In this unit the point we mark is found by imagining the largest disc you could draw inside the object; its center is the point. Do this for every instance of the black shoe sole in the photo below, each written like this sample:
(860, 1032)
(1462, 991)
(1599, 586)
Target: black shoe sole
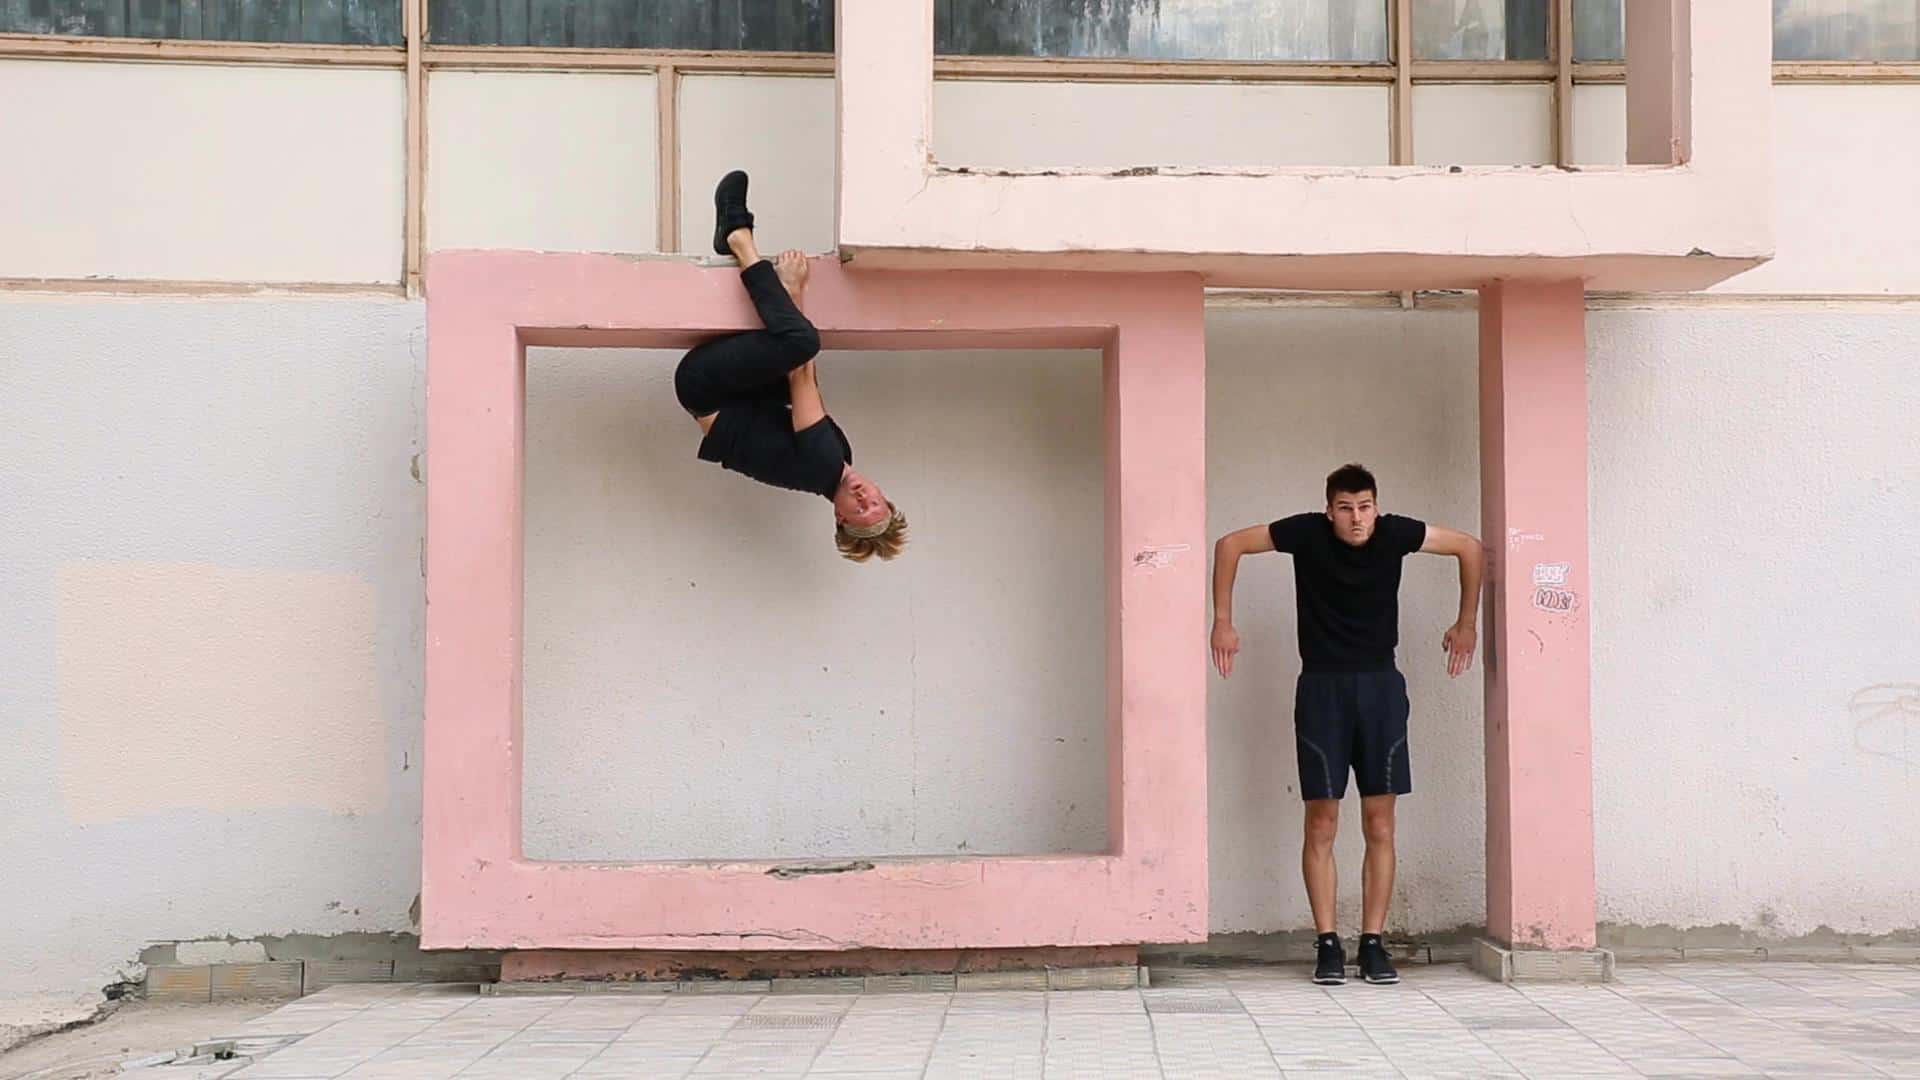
(1322, 980)
(1388, 980)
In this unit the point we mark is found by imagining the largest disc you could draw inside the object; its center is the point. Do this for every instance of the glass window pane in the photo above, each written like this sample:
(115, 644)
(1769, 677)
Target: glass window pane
(1599, 30)
(1480, 29)
(750, 25)
(1304, 30)
(320, 22)
(1846, 30)
(1315, 30)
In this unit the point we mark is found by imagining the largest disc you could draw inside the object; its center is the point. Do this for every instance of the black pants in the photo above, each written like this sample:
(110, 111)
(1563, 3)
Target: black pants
(1352, 720)
(754, 364)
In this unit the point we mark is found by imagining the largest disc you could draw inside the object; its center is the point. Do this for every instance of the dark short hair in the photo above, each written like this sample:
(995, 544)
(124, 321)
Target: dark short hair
(1352, 479)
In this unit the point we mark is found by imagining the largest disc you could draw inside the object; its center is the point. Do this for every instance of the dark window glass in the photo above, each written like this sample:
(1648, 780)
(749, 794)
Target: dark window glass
(318, 22)
(1481, 29)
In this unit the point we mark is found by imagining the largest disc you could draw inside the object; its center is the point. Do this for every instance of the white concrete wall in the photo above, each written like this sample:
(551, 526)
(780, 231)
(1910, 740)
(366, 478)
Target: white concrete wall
(502, 173)
(210, 575)
(778, 129)
(1115, 125)
(1600, 124)
(210, 580)
(201, 173)
(1844, 173)
(707, 677)
(1844, 166)
(1476, 124)
(244, 465)
(1292, 395)
(1756, 682)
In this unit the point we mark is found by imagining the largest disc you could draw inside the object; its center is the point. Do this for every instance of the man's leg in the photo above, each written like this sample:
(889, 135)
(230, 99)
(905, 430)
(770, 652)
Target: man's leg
(1316, 861)
(1321, 738)
(1316, 865)
(1381, 761)
(755, 362)
(1376, 873)
(759, 358)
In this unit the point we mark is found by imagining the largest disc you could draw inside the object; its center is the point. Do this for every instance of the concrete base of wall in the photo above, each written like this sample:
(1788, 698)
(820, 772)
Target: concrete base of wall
(1297, 947)
(548, 965)
(300, 965)
(1114, 977)
(1506, 965)
(1726, 941)
(280, 979)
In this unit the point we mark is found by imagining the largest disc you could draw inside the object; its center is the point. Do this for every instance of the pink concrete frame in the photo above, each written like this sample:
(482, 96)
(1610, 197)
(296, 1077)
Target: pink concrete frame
(478, 888)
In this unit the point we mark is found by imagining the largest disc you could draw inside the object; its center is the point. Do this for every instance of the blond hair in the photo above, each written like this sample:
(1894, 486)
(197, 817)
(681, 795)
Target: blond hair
(887, 544)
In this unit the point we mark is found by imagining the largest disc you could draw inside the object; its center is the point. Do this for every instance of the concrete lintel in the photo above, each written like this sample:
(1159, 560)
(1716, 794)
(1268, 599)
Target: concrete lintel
(1699, 211)
(1502, 964)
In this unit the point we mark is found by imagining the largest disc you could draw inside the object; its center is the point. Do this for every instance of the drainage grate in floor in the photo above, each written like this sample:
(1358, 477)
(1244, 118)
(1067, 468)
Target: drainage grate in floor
(1541, 1022)
(798, 1020)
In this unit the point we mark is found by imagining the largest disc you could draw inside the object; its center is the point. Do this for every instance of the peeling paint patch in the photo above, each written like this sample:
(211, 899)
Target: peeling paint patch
(787, 873)
(233, 689)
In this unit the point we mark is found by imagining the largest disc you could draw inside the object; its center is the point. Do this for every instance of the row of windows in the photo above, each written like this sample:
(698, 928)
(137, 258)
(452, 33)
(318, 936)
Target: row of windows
(1270, 30)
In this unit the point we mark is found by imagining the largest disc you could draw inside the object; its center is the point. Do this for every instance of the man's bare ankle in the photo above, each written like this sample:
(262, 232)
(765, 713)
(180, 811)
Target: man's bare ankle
(741, 242)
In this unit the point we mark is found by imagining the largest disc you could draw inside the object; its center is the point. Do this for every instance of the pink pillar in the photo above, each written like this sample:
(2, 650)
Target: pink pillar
(1533, 476)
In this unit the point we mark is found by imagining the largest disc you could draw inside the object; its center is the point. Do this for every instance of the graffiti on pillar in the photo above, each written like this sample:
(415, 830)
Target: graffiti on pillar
(1550, 589)
(1886, 721)
(1153, 558)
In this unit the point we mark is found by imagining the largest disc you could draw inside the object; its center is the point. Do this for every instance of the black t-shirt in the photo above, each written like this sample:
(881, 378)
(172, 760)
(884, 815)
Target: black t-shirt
(1348, 597)
(756, 438)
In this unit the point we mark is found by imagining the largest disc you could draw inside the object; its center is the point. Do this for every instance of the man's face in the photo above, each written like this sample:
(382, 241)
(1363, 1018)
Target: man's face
(1353, 514)
(859, 502)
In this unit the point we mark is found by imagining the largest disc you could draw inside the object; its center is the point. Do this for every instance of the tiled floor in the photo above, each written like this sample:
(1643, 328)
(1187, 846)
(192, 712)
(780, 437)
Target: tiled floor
(1695, 1019)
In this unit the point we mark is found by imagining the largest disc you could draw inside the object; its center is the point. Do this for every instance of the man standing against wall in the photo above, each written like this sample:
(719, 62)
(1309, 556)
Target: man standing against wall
(1350, 704)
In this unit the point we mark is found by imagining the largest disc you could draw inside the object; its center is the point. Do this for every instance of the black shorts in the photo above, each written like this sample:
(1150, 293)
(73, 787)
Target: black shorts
(1352, 720)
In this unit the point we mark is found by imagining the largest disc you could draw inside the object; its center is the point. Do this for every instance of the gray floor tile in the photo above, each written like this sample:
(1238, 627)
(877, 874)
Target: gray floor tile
(1679, 1020)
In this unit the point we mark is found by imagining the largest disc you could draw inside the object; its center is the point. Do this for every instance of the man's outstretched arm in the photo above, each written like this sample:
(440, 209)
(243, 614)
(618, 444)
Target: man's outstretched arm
(1459, 639)
(1226, 565)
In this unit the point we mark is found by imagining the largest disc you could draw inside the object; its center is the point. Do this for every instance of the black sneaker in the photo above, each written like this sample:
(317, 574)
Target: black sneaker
(1375, 965)
(1330, 967)
(729, 210)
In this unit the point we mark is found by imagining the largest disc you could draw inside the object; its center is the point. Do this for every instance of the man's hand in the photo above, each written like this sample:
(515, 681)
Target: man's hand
(1458, 644)
(803, 389)
(1226, 642)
